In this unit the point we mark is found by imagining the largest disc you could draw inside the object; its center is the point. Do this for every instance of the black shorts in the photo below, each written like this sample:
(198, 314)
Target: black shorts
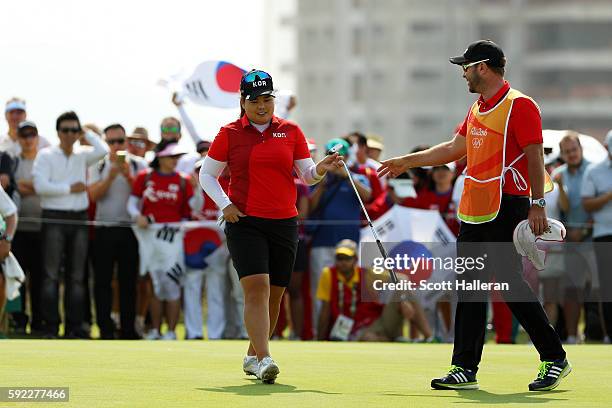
(263, 245)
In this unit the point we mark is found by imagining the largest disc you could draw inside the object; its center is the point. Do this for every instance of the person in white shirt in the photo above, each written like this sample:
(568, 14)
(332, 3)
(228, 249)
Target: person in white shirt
(59, 174)
(15, 113)
(8, 213)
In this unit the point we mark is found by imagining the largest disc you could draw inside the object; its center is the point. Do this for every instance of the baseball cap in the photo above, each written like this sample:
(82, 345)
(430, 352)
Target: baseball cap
(26, 124)
(344, 151)
(346, 247)
(481, 50)
(15, 104)
(256, 83)
(172, 149)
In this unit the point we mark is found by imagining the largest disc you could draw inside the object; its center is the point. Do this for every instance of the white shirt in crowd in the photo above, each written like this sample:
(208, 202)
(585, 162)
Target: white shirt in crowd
(13, 148)
(54, 173)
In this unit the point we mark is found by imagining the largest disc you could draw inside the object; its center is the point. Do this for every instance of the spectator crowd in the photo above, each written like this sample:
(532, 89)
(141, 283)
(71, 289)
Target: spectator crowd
(100, 238)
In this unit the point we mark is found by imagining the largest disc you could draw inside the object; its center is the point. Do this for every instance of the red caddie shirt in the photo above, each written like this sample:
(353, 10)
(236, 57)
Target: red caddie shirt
(524, 128)
(261, 165)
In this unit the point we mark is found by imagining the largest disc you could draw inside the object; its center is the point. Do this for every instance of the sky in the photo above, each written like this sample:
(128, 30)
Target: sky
(103, 59)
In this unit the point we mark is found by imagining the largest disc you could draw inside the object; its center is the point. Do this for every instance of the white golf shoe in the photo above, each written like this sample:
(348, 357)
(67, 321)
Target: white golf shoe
(250, 366)
(268, 370)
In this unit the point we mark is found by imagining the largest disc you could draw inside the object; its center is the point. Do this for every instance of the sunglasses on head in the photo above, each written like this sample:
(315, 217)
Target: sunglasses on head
(138, 143)
(252, 76)
(116, 141)
(170, 129)
(70, 130)
(471, 64)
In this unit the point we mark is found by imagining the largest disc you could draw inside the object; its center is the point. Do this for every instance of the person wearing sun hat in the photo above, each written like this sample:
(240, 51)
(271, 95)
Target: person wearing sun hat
(375, 146)
(138, 143)
(162, 195)
(260, 215)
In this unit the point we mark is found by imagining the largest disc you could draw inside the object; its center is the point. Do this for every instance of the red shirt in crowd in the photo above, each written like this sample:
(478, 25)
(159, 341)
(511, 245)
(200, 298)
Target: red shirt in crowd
(261, 165)
(432, 200)
(524, 128)
(165, 197)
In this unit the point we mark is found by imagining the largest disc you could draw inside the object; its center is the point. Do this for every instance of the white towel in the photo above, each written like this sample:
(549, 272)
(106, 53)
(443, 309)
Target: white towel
(14, 276)
(534, 248)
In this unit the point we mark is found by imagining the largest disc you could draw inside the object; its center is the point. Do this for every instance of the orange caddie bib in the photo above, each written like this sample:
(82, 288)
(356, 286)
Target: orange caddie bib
(486, 157)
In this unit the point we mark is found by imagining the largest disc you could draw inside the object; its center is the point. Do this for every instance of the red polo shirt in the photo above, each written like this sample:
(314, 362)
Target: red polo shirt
(524, 128)
(261, 165)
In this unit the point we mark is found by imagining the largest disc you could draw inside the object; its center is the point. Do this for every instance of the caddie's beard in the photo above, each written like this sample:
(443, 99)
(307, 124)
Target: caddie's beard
(474, 83)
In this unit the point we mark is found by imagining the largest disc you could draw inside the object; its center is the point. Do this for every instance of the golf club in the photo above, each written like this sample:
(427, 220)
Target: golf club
(336, 149)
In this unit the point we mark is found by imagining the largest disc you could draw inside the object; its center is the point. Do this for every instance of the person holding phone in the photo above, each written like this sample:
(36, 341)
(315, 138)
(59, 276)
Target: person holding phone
(110, 186)
(262, 152)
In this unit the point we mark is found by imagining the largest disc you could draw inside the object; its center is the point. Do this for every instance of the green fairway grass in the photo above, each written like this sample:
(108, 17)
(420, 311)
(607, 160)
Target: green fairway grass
(313, 374)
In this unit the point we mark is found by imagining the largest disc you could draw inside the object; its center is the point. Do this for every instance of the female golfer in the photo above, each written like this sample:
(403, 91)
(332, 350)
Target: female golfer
(261, 151)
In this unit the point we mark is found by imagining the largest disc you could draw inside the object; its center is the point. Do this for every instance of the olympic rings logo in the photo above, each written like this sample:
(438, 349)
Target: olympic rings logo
(477, 142)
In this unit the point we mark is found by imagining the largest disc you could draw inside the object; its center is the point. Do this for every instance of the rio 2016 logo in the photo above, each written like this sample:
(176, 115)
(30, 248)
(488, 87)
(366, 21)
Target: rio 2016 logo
(477, 142)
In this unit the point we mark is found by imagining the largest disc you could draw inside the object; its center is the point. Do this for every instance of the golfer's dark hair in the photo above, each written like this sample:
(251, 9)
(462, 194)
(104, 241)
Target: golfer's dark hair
(114, 126)
(70, 115)
(242, 111)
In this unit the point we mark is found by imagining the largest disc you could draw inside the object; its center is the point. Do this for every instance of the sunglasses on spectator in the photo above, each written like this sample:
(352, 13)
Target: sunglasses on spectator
(171, 129)
(471, 64)
(70, 130)
(116, 141)
(343, 258)
(28, 135)
(138, 143)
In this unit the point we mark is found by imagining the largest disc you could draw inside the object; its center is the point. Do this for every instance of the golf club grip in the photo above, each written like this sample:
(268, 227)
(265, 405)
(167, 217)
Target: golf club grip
(384, 254)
